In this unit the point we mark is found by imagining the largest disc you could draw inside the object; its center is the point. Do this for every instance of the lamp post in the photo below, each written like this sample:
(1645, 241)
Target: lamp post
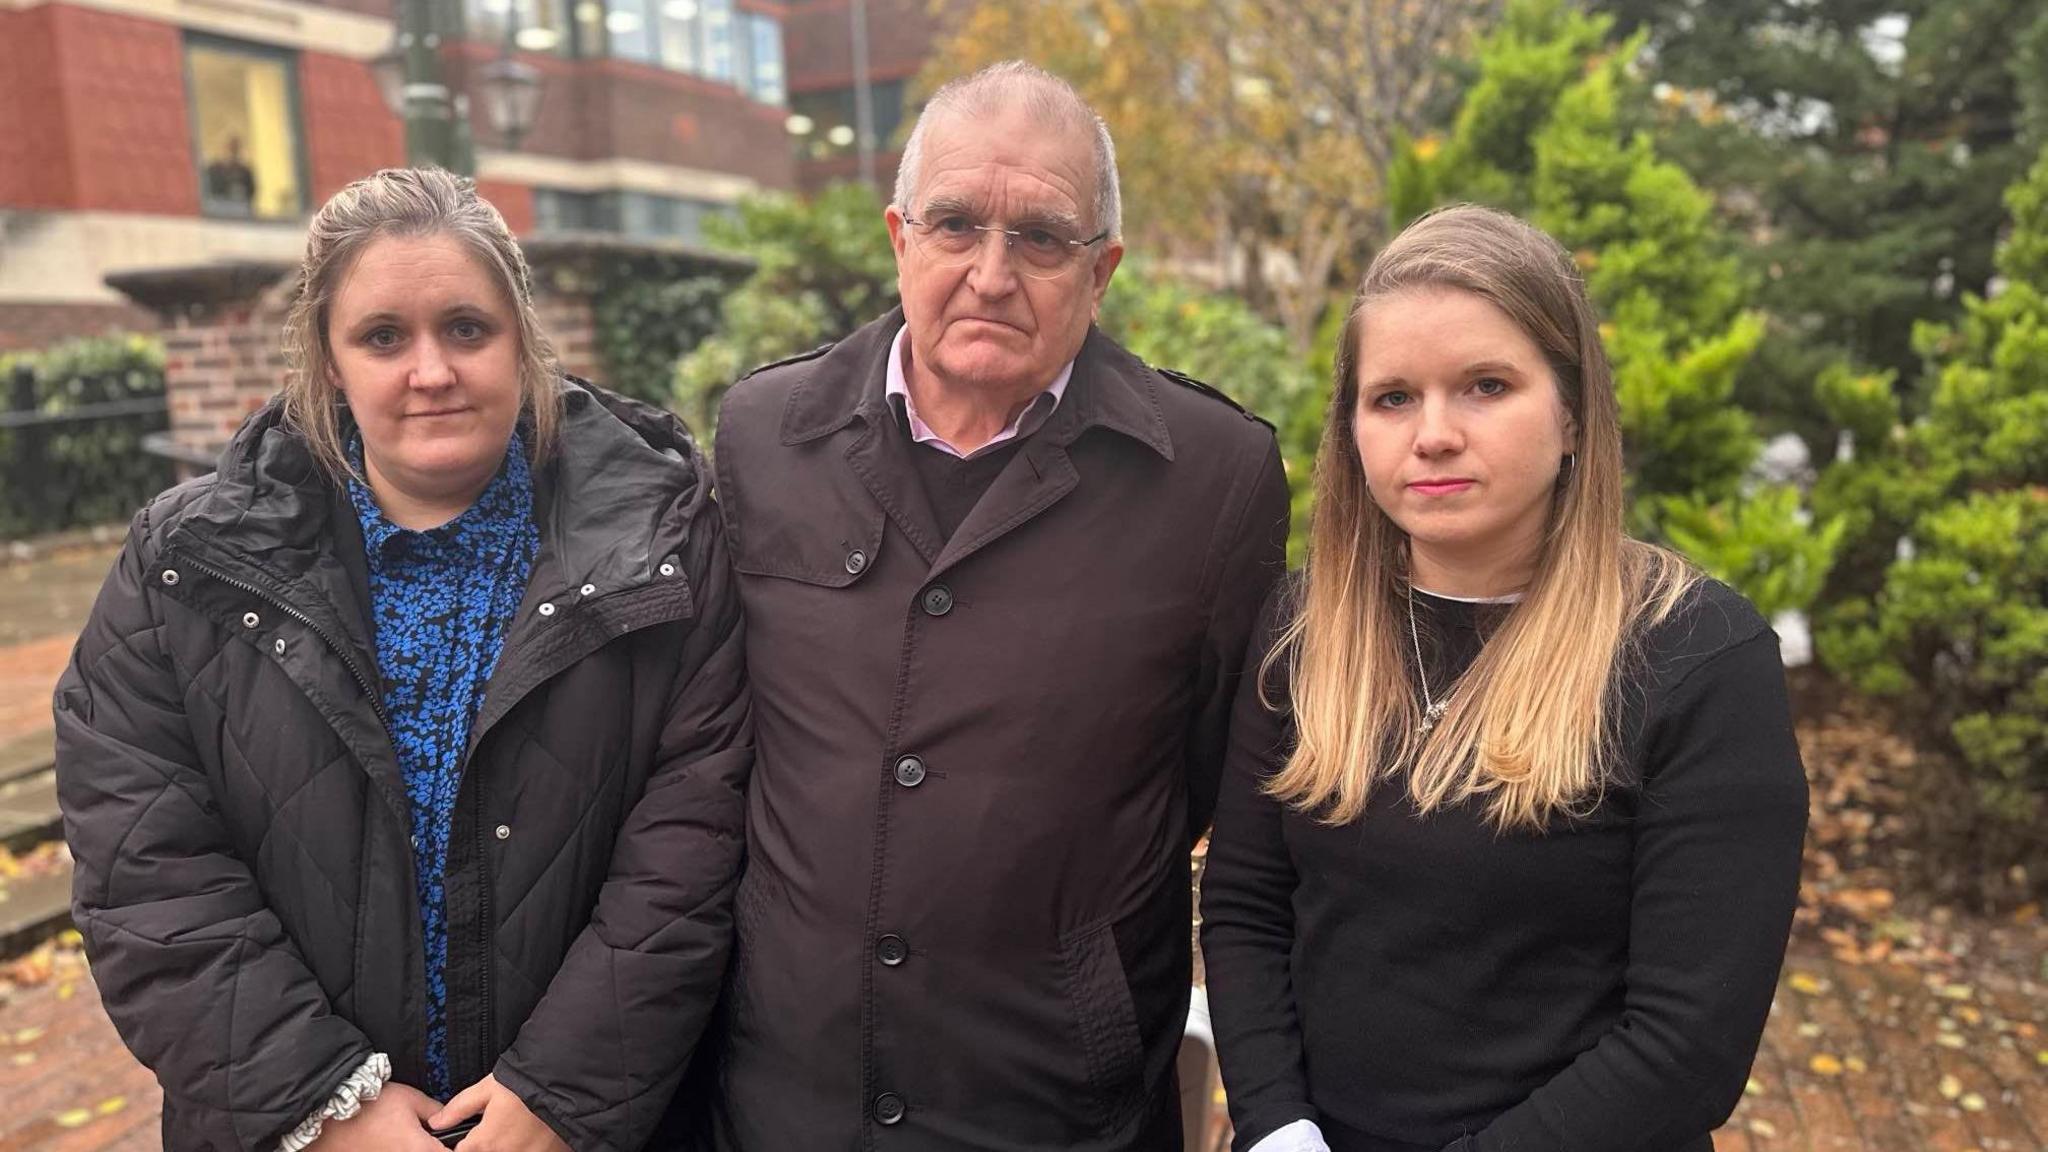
(436, 118)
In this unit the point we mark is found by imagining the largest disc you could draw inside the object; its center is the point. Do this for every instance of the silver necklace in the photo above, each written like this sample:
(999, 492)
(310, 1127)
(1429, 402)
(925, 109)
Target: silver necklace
(1432, 709)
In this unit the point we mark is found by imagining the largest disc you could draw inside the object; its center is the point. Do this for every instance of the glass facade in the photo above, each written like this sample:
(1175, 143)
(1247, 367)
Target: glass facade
(708, 38)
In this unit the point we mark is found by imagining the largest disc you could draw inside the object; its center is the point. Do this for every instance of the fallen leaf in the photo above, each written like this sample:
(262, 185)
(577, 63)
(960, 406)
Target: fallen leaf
(1856, 1064)
(76, 1118)
(24, 1059)
(1972, 1103)
(1807, 983)
(28, 1035)
(1808, 1030)
(1763, 1128)
(110, 1105)
(1957, 992)
(1952, 1040)
(66, 991)
(1969, 1015)
(1755, 1087)
(1950, 1087)
(1825, 1065)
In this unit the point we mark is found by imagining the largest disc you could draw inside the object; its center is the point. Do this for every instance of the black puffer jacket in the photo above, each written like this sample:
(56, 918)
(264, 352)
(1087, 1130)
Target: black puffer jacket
(244, 878)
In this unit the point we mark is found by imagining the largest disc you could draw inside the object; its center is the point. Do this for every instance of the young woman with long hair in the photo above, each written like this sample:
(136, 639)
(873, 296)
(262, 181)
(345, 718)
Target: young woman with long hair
(1509, 838)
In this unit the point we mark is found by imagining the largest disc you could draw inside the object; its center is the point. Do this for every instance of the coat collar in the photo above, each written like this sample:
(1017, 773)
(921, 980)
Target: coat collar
(1110, 389)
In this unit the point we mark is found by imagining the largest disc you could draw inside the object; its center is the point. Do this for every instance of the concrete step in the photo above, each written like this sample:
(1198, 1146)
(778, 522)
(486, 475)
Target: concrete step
(27, 754)
(32, 907)
(28, 811)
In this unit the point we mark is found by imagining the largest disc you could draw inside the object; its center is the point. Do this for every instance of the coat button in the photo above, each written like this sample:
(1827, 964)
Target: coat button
(278, 647)
(169, 577)
(910, 771)
(504, 832)
(667, 569)
(250, 619)
(546, 609)
(856, 562)
(888, 1108)
(891, 950)
(938, 600)
(586, 590)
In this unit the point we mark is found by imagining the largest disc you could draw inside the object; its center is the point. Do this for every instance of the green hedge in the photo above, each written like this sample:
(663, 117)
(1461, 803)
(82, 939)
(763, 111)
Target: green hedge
(93, 470)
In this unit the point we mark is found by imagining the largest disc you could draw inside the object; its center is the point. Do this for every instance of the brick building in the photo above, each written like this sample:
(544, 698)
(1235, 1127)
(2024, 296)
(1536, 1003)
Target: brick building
(819, 43)
(142, 134)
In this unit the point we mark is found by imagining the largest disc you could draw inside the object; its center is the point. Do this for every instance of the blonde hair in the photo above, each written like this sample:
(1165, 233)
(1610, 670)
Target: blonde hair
(1528, 729)
(412, 203)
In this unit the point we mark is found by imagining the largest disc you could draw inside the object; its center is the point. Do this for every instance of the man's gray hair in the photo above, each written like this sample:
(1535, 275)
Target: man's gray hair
(1045, 98)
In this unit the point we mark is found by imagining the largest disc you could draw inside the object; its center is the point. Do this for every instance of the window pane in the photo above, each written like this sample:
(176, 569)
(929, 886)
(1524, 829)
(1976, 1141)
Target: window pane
(244, 117)
(537, 25)
(632, 38)
(680, 35)
(718, 52)
(767, 54)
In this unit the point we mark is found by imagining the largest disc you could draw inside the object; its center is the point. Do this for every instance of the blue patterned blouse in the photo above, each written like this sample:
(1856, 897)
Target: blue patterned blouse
(443, 600)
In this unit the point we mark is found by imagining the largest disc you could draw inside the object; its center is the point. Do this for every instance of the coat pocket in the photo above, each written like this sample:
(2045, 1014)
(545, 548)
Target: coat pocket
(1107, 1021)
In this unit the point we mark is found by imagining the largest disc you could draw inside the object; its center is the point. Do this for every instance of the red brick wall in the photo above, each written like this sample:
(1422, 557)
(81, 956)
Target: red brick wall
(817, 42)
(218, 372)
(601, 109)
(122, 83)
(35, 156)
(513, 201)
(41, 325)
(350, 131)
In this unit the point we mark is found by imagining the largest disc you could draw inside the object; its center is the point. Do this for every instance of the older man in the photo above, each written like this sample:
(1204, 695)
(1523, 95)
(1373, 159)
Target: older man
(999, 576)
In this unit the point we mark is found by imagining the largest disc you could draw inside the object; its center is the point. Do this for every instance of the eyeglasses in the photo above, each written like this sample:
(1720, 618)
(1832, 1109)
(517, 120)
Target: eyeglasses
(1043, 251)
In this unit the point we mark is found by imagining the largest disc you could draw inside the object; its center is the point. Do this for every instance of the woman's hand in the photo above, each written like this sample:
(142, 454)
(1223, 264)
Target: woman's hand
(507, 1125)
(396, 1119)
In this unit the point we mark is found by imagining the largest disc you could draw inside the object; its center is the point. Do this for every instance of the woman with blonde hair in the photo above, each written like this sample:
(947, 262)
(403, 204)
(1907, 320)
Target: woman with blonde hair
(403, 757)
(1508, 845)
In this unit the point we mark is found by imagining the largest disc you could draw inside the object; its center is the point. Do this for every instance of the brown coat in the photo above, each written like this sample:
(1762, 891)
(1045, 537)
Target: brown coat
(982, 761)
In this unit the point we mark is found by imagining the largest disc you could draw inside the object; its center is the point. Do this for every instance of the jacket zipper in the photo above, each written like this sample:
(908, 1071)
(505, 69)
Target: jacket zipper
(363, 681)
(488, 1024)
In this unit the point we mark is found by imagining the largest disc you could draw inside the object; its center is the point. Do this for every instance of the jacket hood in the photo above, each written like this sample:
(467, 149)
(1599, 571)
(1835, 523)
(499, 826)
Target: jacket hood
(612, 501)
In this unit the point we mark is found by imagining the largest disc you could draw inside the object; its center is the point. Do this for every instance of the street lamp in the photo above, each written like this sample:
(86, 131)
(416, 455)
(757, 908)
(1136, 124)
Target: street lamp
(511, 90)
(408, 74)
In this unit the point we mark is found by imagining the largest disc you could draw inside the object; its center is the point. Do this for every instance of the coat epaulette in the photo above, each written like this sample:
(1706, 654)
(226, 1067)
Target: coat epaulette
(1183, 378)
(799, 358)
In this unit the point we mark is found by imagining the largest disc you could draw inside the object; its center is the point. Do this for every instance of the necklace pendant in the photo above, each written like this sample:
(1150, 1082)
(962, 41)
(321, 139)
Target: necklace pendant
(1430, 716)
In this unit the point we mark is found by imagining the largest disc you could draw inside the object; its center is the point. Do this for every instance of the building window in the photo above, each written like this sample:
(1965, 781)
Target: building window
(717, 17)
(765, 60)
(536, 25)
(245, 127)
(828, 119)
(643, 215)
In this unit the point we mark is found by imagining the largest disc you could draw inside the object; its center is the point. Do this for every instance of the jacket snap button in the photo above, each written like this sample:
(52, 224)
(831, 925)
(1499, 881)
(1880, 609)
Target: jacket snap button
(667, 569)
(504, 832)
(170, 578)
(586, 590)
(547, 609)
(938, 600)
(856, 562)
(910, 771)
(250, 619)
(888, 1108)
(891, 950)
(278, 647)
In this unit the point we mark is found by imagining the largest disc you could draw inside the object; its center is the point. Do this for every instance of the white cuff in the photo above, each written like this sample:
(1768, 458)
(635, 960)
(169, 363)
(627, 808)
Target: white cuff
(365, 1083)
(1300, 1136)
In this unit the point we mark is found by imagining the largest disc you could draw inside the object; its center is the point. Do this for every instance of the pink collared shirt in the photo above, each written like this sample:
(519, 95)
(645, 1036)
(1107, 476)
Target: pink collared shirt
(1029, 420)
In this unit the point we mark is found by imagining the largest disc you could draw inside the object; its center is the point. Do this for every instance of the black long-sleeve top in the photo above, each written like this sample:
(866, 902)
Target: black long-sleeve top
(1423, 982)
